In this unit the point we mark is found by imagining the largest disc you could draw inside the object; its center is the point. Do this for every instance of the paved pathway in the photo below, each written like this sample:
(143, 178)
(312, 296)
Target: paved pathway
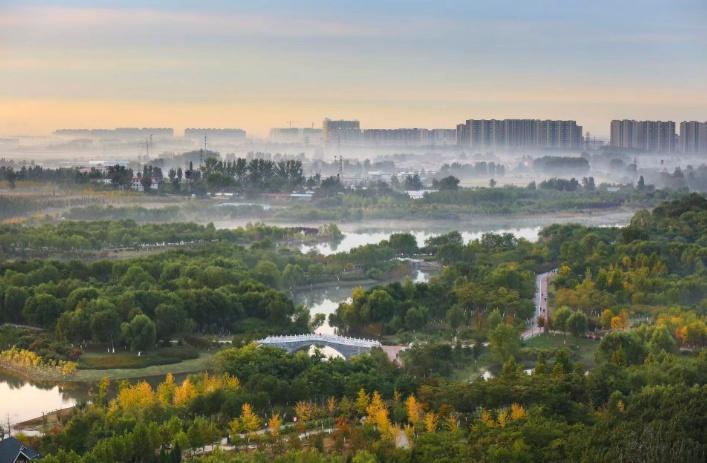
(541, 282)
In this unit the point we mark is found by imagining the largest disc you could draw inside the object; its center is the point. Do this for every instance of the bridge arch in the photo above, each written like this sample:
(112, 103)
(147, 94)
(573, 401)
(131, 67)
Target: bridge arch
(347, 347)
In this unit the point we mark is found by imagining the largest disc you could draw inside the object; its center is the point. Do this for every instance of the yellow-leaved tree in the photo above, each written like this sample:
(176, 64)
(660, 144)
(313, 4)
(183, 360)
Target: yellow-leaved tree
(274, 424)
(487, 418)
(361, 403)
(184, 393)
(166, 390)
(517, 412)
(303, 411)
(413, 408)
(502, 417)
(331, 405)
(250, 421)
(430, 421)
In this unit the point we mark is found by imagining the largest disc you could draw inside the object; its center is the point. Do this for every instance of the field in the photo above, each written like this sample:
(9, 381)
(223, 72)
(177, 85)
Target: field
(192, 365)
(163, 356)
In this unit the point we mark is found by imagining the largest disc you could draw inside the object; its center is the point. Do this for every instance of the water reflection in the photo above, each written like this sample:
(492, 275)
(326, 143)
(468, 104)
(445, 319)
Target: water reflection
(324, 301)
(21, 400)
(353, 240)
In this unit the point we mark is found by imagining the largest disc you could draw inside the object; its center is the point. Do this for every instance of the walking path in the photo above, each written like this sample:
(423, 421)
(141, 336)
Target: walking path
(541, 283)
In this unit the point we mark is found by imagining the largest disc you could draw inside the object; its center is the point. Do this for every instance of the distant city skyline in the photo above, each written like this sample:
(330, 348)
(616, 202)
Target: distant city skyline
(393, 64)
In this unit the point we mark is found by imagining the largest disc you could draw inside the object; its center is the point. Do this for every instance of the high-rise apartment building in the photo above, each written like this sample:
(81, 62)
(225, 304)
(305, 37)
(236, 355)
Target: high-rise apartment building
(522, 133)
(340, 132)
(650, 136)
(693, 137)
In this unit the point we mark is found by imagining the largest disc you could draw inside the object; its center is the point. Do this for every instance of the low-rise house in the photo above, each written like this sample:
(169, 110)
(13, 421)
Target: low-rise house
(14, 451)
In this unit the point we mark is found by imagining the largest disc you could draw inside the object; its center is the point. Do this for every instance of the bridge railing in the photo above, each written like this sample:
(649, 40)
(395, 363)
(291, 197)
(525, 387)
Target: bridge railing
(313, 337)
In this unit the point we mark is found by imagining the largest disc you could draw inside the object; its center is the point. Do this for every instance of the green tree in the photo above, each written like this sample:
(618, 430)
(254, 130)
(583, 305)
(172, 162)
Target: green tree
(449, 183)
(266, 272)
(577, 323)
(105, 326)
(169, 320)
(140, 333)
(292, 275)
(504, 342)
(560, 317)
(403, 243)
(14, 302)
(42, 309)
(494, 319)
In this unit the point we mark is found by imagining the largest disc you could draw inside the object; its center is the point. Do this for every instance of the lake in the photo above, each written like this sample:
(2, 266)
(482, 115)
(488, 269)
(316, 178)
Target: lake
(21, 400)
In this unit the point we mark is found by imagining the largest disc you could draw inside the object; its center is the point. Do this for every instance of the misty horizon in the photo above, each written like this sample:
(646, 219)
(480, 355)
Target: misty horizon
(143, 64)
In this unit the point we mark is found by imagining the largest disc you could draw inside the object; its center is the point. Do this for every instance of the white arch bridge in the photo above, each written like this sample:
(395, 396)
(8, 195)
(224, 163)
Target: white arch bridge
(348, 347)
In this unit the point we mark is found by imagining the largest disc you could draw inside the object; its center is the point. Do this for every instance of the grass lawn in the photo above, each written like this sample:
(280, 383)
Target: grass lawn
(163, 356)
(582, 348)
(193, 365)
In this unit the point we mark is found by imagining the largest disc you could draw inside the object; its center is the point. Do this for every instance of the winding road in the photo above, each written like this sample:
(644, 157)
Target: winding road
(541, 282)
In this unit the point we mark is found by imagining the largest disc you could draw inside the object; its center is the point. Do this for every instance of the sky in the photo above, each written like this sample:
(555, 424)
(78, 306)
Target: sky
(262, 64)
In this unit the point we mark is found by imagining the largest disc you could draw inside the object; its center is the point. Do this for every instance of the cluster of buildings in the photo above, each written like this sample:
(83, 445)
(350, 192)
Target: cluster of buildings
(519, 133)
(343, 132)
(476, 133)
(659, 136)
(645, 136)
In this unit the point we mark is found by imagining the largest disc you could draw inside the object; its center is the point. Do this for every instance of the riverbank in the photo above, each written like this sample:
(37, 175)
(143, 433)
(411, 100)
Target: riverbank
(195, 365)
(34, 374)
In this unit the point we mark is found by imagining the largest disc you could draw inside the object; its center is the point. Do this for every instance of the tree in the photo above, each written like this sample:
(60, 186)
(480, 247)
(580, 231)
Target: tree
(450, 183)
(11, 177)
(169, 320)
(403, 243)
(105, 326)
(361, 403)
(494, 319)
(641, 185)
(15, 299)
(274, 424)
(249, 420)
(492, 183)
(621, 348)
(661, 340)
(266, 272)
(430, 420)
(42, 310)
(577, 323)
(605, 319)
(413, 183)
(413, 409)
(304, 411)
(140, 333)
(415, 318)
(292, 275)
(455, 316)
(560, 317)
(504, 342)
